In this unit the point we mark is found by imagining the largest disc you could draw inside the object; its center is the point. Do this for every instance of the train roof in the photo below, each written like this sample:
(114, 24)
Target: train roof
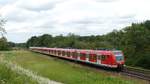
(103, 52)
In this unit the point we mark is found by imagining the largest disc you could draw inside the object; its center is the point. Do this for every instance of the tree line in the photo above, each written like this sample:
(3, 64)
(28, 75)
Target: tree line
(133, 40)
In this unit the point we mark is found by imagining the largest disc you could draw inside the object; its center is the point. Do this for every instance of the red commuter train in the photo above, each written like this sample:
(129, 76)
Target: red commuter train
(106, 58)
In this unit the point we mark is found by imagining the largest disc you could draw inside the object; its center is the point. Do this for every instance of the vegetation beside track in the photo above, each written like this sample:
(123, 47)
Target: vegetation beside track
(7, 76)
(62, 70)
(138, 69)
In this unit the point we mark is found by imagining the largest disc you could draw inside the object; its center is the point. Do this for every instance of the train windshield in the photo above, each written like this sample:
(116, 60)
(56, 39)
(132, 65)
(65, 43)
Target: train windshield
(118, 55)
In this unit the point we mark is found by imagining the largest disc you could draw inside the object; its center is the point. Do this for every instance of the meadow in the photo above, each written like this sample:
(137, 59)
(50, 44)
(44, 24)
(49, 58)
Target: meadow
(64, 71)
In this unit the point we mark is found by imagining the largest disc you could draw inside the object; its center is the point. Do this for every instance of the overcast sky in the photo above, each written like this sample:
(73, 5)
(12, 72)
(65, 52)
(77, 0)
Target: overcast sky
(26, 18)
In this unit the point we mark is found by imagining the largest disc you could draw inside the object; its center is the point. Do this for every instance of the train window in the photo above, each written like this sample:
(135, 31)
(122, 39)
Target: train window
(99, 57)
(87, 55)
(63, 53)
(73, 54)
(103, 57)
(94, 57)
(59, 52)
(90, 56)
(81, 55)
(76, 54)
(56, 52)
(68, 53)
(119, 58)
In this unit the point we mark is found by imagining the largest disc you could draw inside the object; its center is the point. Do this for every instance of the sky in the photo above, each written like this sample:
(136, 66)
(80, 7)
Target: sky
(26, 18)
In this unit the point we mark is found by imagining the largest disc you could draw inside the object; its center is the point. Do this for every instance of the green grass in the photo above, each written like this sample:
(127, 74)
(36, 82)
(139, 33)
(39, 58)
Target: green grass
(7, 76)
(64, 71)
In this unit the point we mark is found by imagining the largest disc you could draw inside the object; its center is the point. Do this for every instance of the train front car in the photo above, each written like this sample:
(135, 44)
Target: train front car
(119, 59)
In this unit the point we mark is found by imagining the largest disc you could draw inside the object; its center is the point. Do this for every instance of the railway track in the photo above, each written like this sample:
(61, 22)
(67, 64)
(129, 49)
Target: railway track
(138, 73)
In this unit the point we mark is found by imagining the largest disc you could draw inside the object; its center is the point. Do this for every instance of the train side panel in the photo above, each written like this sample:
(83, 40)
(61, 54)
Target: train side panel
(102, 58)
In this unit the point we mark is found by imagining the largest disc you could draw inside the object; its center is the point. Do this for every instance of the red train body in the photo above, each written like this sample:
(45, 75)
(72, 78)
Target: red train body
(106, 58)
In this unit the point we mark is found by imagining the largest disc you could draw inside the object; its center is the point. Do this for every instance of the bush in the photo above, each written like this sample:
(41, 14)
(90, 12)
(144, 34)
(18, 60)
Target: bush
(3, 44)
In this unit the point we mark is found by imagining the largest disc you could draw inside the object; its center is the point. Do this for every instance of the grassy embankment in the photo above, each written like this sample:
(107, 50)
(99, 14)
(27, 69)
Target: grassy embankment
(7, 76)
(64, 71)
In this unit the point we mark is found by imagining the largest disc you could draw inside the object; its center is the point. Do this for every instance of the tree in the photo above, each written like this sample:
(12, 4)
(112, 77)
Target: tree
(2, 22)
(45, 40)
(3, 41)
(33, 41)
(147, 24)
(3, 44)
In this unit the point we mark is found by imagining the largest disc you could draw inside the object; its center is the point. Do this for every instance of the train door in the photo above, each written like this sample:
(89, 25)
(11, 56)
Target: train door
(63, 53)
(59, 52)
(75, 55)
(46, 51)
(78, 55)
(98, 59)
(55, 52)
(87, 56)
(49, 51)
(70, 54)
(52, 52)
(90, 57)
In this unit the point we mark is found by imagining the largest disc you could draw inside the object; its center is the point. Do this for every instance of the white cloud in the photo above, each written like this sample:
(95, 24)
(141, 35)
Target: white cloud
(84, 17)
